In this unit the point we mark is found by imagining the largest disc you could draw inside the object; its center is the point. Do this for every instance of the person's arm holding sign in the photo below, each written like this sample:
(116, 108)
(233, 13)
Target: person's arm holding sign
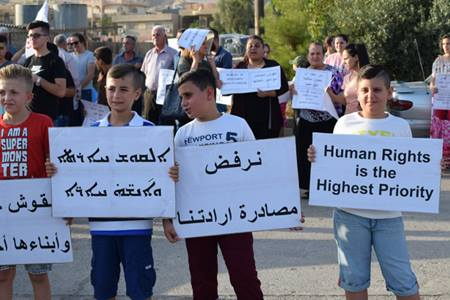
(51, 170)
(169, 229)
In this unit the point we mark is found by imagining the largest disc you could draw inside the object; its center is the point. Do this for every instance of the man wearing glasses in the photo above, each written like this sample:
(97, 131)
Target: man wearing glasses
(49, 72)
(128, 55)
(159, 57)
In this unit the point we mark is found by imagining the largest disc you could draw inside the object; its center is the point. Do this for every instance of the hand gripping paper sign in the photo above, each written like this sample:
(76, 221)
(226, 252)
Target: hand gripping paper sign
(239, 81)
(28, 232)
(112, 171)
(237, 187)
(311, 88)
(378, 173)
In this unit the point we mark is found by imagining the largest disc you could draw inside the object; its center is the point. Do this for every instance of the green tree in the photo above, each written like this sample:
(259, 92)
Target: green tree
(233, 16)
(286, 24)
(390, 29)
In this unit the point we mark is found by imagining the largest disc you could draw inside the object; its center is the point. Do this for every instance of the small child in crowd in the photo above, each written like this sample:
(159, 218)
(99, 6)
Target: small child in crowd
(198, 92)
(356, 231)
(28, 131)
(115, 240)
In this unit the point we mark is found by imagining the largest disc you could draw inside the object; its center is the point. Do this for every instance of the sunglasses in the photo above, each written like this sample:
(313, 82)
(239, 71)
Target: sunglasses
(73, 43)
(36, 35)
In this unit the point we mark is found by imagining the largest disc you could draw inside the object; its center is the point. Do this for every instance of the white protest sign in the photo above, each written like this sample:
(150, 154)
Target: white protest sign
(112, 171)
(310, 85)
(223, 99)
(94, 112)
(28, 232)
(241, 81)
(237, 187)
(164, 78)
(193, 37)
(441, 99)
(395, 174)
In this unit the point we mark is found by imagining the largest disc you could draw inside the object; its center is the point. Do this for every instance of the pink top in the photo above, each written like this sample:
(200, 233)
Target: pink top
(351, 92)
(336, 60)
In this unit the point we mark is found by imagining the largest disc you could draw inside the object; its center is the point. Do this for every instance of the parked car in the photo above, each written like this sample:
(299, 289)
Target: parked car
(235, 44)
(412, 101)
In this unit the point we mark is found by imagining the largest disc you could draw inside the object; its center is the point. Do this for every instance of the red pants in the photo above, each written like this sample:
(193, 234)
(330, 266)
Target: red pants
(237, 251)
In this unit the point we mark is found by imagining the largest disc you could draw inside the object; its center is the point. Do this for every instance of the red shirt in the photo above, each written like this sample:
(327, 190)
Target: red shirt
(24, 147)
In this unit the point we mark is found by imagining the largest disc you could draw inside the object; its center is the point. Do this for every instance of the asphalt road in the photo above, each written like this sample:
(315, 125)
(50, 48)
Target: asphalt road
(291, 265)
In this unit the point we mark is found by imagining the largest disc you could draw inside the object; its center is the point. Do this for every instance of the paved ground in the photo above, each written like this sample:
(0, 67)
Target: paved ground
(291, 265)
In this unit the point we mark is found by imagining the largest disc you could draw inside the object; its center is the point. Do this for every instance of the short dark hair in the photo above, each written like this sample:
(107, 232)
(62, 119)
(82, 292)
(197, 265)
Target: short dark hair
(201, 78)
(52, 48)
(374, 71)
(360, 51)
(342, 36)
(103, 53)
(80, 37)
(122, 70)
(3, 39)
(130, 37)
(39, 24)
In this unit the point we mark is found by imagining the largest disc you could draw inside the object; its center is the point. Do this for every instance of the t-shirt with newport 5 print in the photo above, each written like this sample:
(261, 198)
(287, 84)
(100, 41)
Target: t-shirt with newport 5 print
(225, 129)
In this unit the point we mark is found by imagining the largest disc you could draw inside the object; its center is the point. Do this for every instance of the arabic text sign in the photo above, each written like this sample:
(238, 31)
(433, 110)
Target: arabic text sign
(193, 37)
(442, 97)
(237, 187)
(94, 112)
(239, 81)
(164, 78)
(310, 86)
(112, 171)
(28, 232)
(380, 173)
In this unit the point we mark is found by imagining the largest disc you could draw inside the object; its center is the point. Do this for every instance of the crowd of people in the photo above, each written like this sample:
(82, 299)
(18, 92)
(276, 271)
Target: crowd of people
(49, 85)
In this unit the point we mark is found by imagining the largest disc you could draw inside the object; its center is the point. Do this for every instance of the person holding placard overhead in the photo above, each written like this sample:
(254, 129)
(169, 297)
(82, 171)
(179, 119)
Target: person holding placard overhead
(316, 121)
(357, 231)
(440, 121)
(261, 110)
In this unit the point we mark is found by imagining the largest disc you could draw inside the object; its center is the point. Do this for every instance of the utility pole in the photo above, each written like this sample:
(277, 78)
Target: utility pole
(256, 8)
(259, 14)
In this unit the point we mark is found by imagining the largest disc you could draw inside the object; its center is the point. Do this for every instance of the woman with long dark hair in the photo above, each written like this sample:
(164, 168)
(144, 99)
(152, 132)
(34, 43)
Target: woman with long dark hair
(260, 109)
(355, 57)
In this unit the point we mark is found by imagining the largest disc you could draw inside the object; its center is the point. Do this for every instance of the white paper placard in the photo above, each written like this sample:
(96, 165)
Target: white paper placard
(237, 187)
(112, 171)
(28, 232)
(94, 112)
(380, 173)
(310, 85)
(164, 78)
(223, 99)
(193, 37)
(441, 99)
(241, 81)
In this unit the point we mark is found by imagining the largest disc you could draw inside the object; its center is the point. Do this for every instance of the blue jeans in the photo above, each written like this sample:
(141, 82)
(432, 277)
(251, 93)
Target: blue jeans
(135, 254)
(355, 236)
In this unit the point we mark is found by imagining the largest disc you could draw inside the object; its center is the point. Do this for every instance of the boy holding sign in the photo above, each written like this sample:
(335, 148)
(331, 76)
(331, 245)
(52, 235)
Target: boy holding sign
(197, 89)
(24, 148)
(356, 231)
(125, 241)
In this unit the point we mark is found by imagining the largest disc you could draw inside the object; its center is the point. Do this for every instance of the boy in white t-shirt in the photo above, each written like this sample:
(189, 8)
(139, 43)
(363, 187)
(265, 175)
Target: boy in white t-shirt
(356, 231)
(197, 90)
